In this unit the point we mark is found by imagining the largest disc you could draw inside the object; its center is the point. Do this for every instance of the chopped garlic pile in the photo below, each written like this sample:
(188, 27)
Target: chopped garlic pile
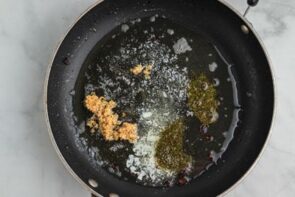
(107, 121)
(146, 70)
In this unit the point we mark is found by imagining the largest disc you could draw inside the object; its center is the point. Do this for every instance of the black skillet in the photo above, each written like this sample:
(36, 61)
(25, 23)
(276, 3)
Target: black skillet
(238, 49)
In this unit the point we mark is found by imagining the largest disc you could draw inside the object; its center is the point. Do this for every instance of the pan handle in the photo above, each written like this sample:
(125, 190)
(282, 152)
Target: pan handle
(251, 3)
(110, 195)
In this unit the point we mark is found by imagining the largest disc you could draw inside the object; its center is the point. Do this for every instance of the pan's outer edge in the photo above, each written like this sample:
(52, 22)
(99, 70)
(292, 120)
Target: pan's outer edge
(66, 165)
(271, 67)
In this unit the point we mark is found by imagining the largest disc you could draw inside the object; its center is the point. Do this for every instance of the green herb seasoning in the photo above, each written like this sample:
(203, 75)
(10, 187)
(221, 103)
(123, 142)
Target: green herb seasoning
(202, 99)
(169, 149)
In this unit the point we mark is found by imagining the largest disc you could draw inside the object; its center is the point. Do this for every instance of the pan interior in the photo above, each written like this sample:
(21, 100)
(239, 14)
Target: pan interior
(176, 54)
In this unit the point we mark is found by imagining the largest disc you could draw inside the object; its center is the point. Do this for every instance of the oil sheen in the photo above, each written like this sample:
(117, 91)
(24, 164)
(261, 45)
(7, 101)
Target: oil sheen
(177, 55)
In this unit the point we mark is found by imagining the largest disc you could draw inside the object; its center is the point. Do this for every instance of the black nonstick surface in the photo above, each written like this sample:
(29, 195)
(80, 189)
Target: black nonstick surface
(246, 87)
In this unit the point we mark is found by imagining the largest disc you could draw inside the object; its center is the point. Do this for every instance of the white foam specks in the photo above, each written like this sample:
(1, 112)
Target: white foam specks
(124, 28)
(190, 113)
(213, 66)
(147, 114)
(153, 18)
(181, 46)
(170, 31)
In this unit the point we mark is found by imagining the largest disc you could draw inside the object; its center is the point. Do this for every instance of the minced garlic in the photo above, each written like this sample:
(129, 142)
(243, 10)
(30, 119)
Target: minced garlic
(136, 70)
(146, 70)
(107, 121)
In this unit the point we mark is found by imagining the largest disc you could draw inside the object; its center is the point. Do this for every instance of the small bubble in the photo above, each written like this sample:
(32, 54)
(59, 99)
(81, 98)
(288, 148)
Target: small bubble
(216, 82)
(170, 31)
(215, 116)
(153, 19)
(205, 86)
(124, 28)
(93, 29)
(218, 103)
(249, 94)
(212, 67)
(73, 92)
(66, 61)
(189, 113)
(204, 129)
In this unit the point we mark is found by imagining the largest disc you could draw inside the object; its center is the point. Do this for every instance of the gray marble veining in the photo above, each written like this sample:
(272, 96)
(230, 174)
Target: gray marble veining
(29, 33)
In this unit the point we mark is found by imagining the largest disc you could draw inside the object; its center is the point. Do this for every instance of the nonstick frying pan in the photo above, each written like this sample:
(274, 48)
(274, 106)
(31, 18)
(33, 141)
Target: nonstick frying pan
(237, 44)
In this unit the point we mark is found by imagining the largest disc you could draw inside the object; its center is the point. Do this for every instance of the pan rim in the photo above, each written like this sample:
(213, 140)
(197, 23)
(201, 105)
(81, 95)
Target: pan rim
(49, 130)
(271, 68)
(68, 167)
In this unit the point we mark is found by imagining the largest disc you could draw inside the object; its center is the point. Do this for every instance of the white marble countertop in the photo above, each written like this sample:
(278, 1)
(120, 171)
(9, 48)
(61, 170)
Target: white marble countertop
(29, 32)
